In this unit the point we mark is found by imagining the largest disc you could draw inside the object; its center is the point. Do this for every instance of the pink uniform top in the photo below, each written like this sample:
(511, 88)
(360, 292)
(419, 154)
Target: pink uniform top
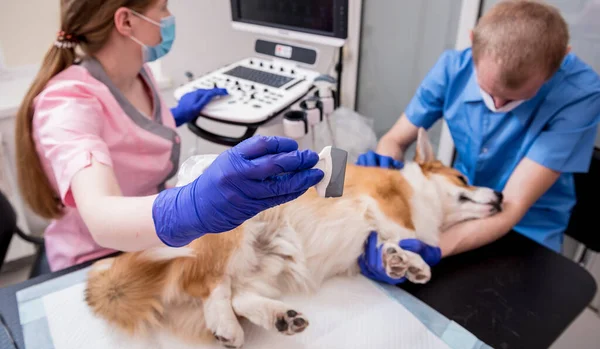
(82, 115)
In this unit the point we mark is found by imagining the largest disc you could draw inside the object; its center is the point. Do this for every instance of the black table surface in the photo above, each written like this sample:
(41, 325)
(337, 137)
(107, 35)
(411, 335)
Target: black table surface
(512, 293)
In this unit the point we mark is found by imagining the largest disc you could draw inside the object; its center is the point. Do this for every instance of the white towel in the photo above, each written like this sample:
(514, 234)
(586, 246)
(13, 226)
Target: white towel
(346, 313)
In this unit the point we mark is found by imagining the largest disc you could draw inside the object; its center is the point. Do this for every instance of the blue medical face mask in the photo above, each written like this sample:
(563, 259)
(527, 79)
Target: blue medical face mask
(167, 32)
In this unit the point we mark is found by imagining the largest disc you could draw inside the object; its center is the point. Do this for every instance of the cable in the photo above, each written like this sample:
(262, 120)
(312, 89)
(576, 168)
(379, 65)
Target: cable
(333, 142)
(32, 239)
(339, 69)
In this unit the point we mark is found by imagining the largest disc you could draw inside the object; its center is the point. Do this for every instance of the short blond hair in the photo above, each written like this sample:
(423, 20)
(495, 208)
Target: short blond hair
(524, 37)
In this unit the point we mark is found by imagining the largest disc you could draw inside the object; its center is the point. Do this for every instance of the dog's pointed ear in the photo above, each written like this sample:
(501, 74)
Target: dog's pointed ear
(424, 152)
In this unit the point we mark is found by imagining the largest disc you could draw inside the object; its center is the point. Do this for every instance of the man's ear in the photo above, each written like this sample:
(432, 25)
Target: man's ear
(424, 152)
(471, 35)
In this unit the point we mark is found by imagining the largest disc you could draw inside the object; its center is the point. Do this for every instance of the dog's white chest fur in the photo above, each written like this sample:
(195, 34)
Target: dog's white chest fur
(305, 247)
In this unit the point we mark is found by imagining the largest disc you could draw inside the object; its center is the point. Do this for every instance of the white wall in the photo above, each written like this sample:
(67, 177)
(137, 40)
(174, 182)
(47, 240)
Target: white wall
(27, 29)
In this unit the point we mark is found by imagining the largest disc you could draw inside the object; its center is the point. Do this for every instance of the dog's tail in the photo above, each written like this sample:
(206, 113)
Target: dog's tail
(126, 290)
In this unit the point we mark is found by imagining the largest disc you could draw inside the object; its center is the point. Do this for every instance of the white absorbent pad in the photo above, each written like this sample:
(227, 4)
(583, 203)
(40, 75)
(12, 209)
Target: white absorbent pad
(346, 313)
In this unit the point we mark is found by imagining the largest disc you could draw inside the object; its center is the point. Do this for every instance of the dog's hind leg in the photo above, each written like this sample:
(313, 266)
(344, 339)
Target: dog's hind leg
(185, 322)
(220, 318)
(268, 313)
(218, 313)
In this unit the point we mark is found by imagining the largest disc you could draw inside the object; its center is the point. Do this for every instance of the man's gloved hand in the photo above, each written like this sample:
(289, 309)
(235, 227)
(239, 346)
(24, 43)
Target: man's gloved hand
(371, 262)
(193, 102)
(257, 174)
(372, 159)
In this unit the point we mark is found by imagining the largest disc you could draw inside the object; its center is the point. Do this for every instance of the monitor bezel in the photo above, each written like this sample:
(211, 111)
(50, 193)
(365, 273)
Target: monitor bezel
(336, 38)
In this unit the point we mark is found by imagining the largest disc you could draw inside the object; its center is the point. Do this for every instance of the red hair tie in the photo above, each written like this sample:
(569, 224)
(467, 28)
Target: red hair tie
(64, 40)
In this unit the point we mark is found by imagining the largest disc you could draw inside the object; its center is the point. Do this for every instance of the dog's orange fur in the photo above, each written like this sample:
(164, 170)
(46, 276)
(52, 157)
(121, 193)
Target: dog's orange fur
(388, 188)
(131, 292)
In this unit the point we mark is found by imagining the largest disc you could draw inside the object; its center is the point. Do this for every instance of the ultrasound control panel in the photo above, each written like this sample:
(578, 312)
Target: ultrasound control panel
(258, 89)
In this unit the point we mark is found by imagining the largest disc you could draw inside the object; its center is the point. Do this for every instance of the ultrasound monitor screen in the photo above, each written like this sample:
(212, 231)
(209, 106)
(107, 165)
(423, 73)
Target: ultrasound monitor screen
(313, 15)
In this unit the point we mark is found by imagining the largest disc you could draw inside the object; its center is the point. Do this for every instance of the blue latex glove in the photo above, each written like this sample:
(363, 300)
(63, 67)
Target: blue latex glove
(193, 102)
(371, 262)
(253, 176)
(372, 159)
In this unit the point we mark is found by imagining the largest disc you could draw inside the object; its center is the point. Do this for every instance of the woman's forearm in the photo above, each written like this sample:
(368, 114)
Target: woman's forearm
(253, 171)
(114, 221)
(122, 223)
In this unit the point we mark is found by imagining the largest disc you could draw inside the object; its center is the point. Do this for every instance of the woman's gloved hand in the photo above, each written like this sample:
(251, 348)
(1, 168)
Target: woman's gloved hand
(371, 262)
(257, 174)
(372, 159)
(193, 102)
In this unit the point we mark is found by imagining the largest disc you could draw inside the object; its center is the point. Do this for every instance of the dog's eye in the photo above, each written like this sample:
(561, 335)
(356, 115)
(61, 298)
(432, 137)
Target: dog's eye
(463, 180)
(464, 198)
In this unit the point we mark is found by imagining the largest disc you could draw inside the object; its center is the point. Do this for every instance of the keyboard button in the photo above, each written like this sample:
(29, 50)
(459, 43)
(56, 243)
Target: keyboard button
(258, 76)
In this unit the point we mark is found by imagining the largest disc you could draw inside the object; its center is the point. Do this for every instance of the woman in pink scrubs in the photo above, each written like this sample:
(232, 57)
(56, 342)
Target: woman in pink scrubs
(96, 143)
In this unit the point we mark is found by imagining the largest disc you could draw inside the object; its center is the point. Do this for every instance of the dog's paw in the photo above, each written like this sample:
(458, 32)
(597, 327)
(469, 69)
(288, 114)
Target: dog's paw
(418, 271)
(395, 260)
(230, 335)
(290, 322)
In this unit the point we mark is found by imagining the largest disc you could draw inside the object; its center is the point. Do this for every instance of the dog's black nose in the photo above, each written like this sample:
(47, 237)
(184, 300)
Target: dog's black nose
(499, 195)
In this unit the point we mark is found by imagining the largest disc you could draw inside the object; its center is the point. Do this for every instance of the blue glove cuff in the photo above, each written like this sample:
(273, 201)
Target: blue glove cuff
(372, 159)
(179, 120)
(171, 229)
(432, 255)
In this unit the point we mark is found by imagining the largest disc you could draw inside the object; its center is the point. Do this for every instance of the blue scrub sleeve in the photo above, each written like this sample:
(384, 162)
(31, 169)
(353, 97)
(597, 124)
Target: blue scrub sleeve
(427, 105)
(567, 144)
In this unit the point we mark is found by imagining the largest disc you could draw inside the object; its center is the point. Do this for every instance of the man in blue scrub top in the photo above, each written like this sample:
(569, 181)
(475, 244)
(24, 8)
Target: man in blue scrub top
(523, 113)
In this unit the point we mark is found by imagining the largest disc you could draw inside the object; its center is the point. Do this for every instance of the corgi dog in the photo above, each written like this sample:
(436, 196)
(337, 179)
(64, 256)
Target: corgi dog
(200, 292)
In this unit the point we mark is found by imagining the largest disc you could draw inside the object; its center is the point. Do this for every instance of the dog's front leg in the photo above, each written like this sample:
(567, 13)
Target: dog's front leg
(402, 263)
(397, 261)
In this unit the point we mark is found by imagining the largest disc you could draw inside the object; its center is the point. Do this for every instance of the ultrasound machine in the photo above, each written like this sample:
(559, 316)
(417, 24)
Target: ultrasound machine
(276, 86)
